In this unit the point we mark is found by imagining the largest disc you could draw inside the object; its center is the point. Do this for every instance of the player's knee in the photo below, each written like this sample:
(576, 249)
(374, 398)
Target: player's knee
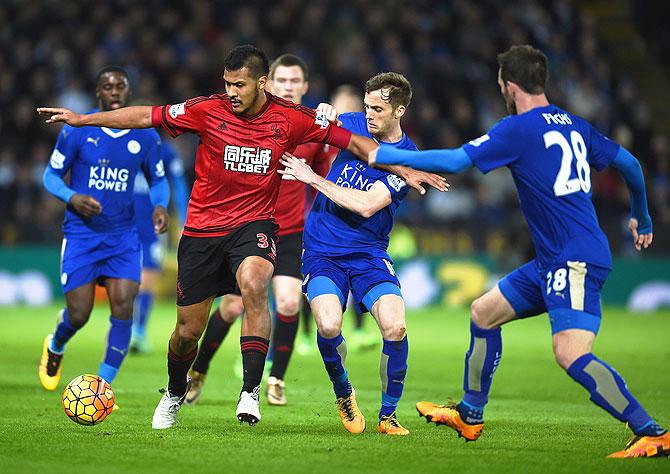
(254, 287)
(78, 315)
(395, 332)
(288, 307)
(566, 355)
(481, 315)
(329, 329)
(122, 308)
(188, 334)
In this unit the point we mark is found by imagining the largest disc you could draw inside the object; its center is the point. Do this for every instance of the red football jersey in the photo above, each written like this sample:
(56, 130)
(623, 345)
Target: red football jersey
(290, 211)
(236, 179)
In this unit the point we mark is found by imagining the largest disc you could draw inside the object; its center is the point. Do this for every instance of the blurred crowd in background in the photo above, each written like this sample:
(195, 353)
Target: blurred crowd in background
(51, 52)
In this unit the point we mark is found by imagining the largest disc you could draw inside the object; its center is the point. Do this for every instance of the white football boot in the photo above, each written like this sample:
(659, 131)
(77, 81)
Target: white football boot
(166, 412)
(248, 410)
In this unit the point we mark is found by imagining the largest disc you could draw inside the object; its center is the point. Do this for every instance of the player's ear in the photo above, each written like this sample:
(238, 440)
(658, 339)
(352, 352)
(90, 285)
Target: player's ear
(261, 82)
(305, 87)
(399, 111)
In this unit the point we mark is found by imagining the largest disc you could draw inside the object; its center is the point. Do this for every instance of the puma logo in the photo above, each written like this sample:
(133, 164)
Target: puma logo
(93, 140)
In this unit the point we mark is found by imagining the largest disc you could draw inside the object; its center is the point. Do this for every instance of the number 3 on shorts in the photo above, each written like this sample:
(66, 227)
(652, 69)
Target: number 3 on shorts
(262, 240)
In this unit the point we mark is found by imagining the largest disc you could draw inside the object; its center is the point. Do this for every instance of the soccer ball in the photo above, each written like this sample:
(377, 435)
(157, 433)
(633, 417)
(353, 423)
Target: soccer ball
(88, 400)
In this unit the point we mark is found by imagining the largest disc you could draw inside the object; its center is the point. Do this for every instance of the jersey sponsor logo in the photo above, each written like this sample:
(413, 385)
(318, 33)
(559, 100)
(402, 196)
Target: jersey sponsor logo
(246, 159)
(351, 176)
(480, 140)
(57, 160)
(134, 147)
(108, 179)
(177, 109)
(321, 120)
(395, 182)
(557, 119)
(93, 140)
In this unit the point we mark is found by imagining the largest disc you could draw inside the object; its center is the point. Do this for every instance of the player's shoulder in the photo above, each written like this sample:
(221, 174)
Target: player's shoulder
(354, 122)
(289, 106)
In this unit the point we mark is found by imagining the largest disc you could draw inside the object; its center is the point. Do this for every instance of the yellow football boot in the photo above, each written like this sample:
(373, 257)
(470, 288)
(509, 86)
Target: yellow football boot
(390, 425)
(645, 447)
(351, 416)
(49, 369)
(449, 415)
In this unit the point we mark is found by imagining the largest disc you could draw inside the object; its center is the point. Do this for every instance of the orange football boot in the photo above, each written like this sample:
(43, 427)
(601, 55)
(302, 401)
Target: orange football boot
(50, 365)
(352, 418)
(390, 425)
(645, 447)
(449, 415)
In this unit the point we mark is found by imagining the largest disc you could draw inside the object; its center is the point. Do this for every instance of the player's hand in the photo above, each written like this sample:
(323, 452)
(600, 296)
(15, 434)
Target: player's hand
(330, 112)
(297, 168)
(160, 218)
(639, 240)
(57, 114)
(85, 205)
(417, 179)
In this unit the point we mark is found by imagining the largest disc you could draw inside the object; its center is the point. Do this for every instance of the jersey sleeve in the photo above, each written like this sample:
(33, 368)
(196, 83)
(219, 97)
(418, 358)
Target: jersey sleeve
(602, 150)
(180, 118)
(396, 185)
(501, 146)
(65, 151)
(322, 161)
(313, 126)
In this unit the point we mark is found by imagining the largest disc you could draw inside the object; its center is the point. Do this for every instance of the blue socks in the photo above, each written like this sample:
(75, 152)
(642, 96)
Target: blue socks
(118, 340)
(63, 333)
(392, 370)
(609, 391)
(334, 353)
(143, 303)
(481, 362)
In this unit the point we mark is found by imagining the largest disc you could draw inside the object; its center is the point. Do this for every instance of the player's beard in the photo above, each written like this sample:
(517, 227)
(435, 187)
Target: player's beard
(252, 102)
(509, 102)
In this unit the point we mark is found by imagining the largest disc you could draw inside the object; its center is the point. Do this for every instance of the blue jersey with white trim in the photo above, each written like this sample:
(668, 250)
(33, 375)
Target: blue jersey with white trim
(550, 154)
(103, 163)
(174, 169)
(333, 230)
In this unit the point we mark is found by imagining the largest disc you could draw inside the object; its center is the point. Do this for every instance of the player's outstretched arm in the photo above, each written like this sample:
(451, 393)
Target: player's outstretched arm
(439, 161)
(126, 117)
(363, 203)
(640, 222)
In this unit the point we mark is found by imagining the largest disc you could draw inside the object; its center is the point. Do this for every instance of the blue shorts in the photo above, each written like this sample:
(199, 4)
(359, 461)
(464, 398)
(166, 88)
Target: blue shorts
(569, 292)
(95, 257)
(367, 277)
(153, 251)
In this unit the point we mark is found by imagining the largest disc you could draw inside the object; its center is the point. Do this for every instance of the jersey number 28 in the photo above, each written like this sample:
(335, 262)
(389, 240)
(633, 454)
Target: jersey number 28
(563, 184)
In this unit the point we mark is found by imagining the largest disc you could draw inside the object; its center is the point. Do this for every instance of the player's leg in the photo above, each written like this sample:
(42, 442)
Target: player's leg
(306, 338)
(575, 319)
(286, 288)
(79, 303)
(515, 296)
(388, 309)
(142, 309)
(200, 261)
(121, 293)
(229, 309)
(253, 277)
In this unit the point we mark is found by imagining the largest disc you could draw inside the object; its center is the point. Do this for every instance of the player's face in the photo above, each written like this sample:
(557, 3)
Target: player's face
(289, 83)
(243, 90)
(509, 100)
(380, 115)
(112, 91)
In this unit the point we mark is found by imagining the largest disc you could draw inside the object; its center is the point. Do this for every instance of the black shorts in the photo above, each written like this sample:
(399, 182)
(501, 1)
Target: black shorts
(289, 254)
(206, 266)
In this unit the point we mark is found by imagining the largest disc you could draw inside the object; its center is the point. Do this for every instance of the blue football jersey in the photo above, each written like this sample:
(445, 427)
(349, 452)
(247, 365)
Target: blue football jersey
(103, 163)
(174, 169)
(333, 230)
(550, 154)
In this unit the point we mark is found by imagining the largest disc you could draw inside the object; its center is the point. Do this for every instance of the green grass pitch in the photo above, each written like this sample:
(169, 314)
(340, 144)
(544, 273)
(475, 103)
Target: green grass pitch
(538, 419)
